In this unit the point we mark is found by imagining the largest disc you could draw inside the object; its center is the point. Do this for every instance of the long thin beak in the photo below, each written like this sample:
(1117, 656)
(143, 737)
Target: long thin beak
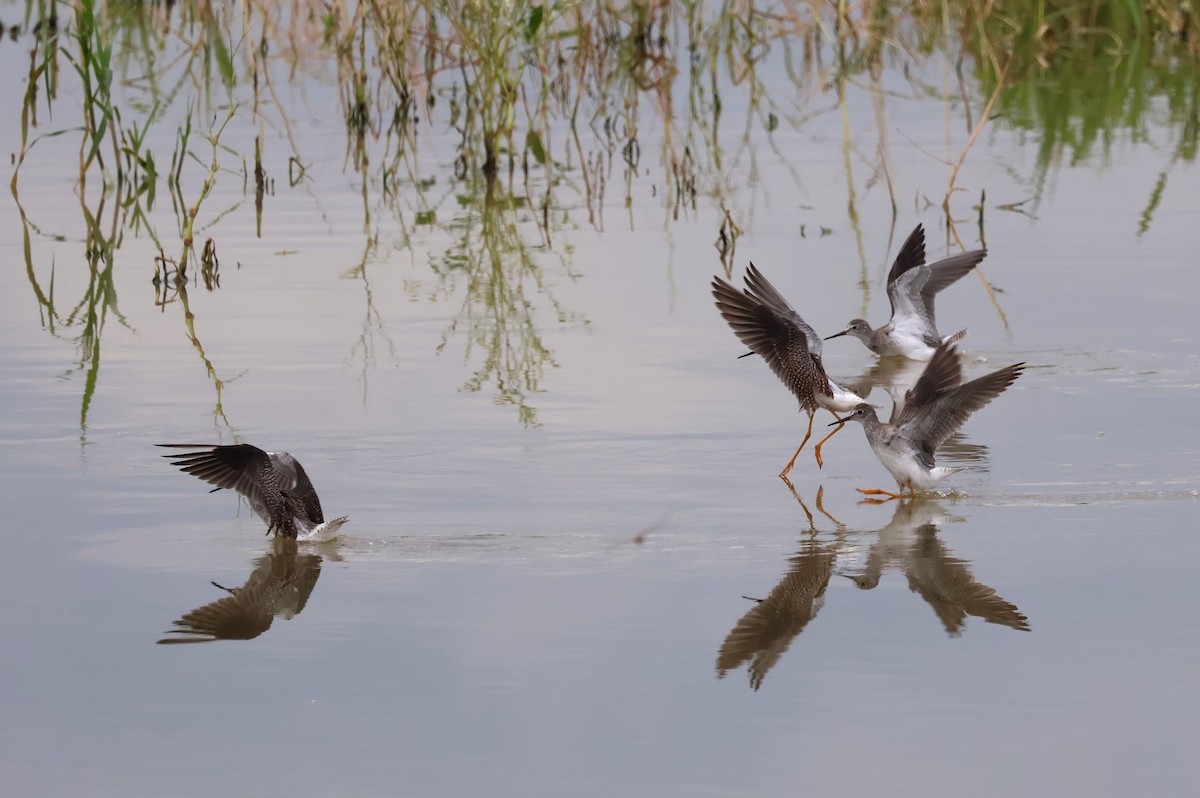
(839, 421)
(837, 335)
(748, 354)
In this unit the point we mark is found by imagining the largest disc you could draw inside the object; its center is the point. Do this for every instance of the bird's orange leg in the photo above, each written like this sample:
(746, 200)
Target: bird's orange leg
(817, 450)
(912, 493)
(821, 508)
(800, 501)
(879, 492)
(783, 474)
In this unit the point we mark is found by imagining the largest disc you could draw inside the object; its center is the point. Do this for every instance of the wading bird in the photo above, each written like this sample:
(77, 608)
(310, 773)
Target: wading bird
(911, 287)
(766, 323)
(934, 409)
(273, 482)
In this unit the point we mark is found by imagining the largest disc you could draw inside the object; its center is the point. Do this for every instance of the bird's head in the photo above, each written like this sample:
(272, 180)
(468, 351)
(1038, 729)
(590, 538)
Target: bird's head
(857, 328)
(861, 412)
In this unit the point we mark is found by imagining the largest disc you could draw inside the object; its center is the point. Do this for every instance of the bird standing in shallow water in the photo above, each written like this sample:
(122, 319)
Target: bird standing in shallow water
(766, 323)
(273, 482)
(911, 287)
(934, 409)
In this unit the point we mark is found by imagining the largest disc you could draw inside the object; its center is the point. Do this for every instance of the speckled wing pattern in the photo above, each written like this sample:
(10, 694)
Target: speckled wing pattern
(275, 484)
(768, 325)
(242, 615)
(294, 481)
(764, 633)
(279, 586)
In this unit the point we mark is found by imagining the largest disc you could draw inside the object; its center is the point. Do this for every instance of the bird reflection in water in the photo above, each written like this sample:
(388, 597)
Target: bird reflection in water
(895, 375)
(910, 543)
(278, 587)
(764, 633)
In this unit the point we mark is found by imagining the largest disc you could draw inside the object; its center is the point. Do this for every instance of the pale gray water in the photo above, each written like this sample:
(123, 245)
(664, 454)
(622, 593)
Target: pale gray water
(489, 624)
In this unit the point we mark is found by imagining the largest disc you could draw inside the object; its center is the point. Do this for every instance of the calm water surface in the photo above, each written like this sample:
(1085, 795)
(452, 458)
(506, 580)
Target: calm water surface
(541, 590)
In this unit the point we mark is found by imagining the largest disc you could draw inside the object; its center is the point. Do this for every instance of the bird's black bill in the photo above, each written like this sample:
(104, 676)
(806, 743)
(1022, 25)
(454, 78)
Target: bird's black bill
(748, 354)
(839, 421)
(837, 335)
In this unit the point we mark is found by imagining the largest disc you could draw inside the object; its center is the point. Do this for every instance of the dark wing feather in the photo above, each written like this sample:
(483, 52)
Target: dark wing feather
(244, 614)
(305, 573)
(298, 485)
(945, 273)
(238, 467)
(943, 373)
(981, 601)
(910, 256)
(764, 633)
(947, 583)
(763, 321)
(761, 289)
(246, 469)
(949, 270)
(930, 419)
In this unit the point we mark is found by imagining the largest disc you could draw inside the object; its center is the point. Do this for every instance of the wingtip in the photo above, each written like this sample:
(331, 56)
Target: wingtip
(910, 255)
